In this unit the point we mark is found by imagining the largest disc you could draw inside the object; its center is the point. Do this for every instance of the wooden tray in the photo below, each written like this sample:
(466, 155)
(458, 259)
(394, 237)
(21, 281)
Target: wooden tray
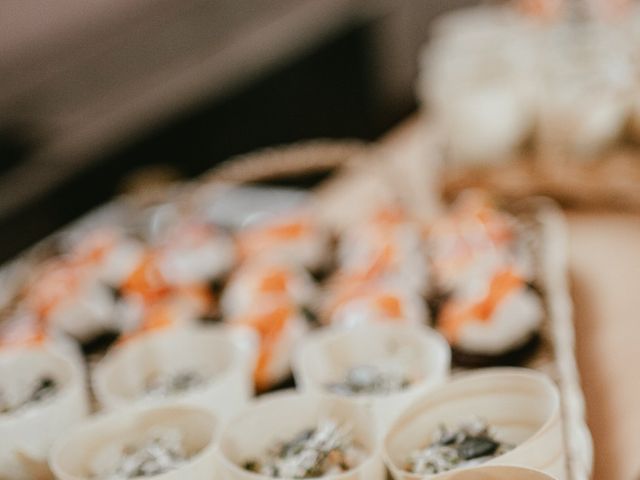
(609, 181)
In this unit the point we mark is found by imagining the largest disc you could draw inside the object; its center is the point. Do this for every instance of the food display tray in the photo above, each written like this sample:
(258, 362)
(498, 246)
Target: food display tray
(317, 165)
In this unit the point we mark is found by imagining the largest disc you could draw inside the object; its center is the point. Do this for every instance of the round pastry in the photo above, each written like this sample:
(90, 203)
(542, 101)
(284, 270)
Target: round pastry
(293, 238)
(42, 394)
(280, 326)
(492, 326)
(260, 278)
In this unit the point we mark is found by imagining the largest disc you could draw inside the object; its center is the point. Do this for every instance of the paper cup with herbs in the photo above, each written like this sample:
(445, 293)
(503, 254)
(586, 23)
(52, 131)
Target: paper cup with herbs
(169, 442)
(498, 472)
(495, 416)
(42, 394)
(381, 367)
(289, 435)
(208, 366)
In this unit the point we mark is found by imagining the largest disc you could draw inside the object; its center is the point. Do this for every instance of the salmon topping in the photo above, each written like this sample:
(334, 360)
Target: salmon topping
(455, 315)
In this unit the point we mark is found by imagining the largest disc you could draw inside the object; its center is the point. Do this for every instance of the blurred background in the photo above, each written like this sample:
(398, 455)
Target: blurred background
(530, 96)
(92, 91)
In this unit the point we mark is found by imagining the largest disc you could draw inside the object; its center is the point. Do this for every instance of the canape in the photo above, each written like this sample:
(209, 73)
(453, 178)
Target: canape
(160, 443)
(473, 240)
(300, 436)
(208, 366)
(195, 252)
(280, 326)
(42, 394)
(69, 297)
(263, 278)
(292, 238)
(495, 323)
(388, 246)
(518, 413)
(351, 303)
(380, 367)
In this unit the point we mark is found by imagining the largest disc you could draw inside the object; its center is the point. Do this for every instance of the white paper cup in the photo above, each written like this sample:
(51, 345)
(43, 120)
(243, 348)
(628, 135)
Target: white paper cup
(226, 354)
(521, 404)
(325, 357)
(498, 472)
(26, 436)
(73, 457)
(280, 416)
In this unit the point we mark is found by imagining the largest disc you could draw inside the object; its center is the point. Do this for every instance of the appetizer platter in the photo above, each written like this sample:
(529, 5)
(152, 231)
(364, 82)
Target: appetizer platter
(167, 311)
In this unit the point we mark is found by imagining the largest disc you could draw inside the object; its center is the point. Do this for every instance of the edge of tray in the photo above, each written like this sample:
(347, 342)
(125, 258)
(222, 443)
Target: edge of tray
(554, 271)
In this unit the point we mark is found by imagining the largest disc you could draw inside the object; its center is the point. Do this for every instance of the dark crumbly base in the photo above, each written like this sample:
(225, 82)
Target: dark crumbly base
(285, 384)
(515, 357)
(99, 344)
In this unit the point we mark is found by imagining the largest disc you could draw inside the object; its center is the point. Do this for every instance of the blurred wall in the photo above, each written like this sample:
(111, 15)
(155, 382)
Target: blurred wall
(91, 90)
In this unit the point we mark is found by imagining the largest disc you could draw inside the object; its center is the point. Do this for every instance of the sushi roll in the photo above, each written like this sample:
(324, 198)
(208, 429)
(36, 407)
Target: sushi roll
(356, 304)
(388, 246)
(24, 330)
(181, 308)
(42, 394)
(293, 238)
(108, 252)
(498, 323)
(475, 239)
(149, 285)
(194, 252)
(279, 325)
(263, 278)
(68, 297)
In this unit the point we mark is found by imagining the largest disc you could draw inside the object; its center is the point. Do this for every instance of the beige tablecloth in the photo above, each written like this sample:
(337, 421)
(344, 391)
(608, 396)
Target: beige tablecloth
(605, 274)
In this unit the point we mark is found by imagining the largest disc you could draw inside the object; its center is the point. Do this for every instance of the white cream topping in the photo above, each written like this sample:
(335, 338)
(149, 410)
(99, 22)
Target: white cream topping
(198, 262)
(515, 319)
(363, 310)
(244, 286)
(361, 247)
(85, 313)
